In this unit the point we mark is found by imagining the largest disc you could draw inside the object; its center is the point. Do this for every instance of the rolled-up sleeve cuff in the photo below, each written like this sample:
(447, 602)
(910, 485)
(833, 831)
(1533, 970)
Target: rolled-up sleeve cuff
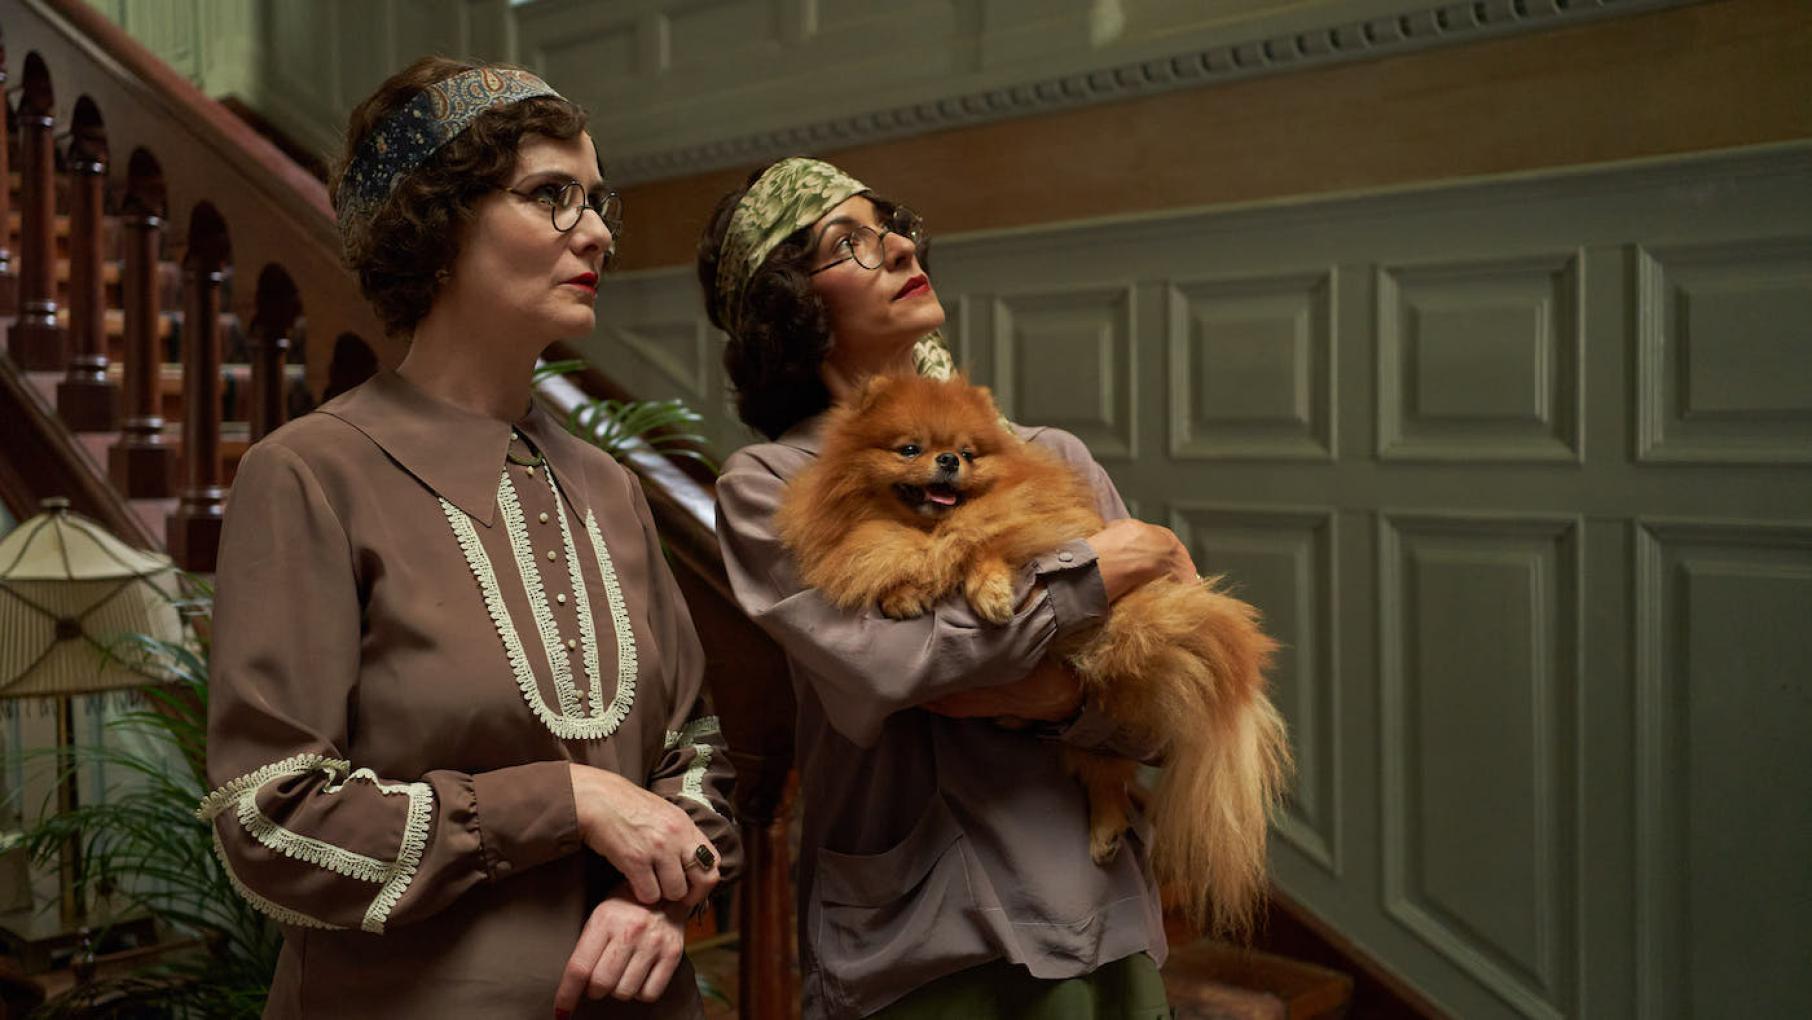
(1073, 582)
(526, 816)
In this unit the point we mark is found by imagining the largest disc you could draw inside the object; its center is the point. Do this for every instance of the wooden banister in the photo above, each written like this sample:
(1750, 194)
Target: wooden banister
(37, 341)
(9, 277)
(268, 341)
(194, 529)
(278, 213)
(141, 464)
(87, 399)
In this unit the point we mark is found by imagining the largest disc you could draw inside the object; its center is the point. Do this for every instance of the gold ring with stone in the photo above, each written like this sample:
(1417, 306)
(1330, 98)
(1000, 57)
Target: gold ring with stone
(703, 857)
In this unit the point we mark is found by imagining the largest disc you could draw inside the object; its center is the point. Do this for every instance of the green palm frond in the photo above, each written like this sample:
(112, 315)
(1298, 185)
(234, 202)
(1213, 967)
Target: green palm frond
(549, 369)
(616, 426)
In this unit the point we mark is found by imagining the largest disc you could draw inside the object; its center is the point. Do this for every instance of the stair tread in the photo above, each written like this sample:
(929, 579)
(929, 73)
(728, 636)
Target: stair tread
(1223, 979)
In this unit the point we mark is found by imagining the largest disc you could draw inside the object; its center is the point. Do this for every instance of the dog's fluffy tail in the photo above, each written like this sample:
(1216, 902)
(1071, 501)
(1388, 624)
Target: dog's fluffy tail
(1187, 663)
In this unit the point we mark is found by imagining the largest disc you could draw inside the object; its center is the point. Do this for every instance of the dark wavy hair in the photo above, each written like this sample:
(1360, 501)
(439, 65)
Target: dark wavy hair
(400, 258)
(773, 360)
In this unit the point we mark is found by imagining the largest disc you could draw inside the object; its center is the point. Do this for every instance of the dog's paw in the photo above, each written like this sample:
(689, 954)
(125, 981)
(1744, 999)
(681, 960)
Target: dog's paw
(991, 596)
(1104, 846)
(904, 602)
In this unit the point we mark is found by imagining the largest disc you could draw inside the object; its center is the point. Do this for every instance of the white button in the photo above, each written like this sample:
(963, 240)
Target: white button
(560, 598)
(529, 470)
(570, 643)
(1066, 557)
(544, 516)
(550, 554)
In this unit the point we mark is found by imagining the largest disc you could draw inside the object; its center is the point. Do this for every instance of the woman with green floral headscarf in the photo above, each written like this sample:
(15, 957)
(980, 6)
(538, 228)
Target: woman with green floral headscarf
(945, 868)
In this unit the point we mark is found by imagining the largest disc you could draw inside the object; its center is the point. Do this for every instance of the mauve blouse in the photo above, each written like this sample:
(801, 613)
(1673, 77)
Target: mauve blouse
(932, 844)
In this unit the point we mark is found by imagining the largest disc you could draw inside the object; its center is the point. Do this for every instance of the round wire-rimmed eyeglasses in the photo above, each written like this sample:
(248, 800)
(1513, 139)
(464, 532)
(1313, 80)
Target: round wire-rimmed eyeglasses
(566, 202)
(866, 246)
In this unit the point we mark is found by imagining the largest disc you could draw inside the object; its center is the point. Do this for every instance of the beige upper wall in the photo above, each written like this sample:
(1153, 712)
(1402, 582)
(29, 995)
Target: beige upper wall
(1697, 78)
(1684, 79)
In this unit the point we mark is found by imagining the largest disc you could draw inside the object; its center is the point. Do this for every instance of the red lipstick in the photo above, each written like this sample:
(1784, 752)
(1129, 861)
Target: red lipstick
(587, 280)
(913, 287)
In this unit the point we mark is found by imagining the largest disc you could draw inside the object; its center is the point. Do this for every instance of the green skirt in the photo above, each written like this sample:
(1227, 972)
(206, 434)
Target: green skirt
(1128, 989)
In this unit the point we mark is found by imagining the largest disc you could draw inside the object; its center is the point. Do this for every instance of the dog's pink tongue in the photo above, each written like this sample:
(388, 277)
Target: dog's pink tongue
(941, 498)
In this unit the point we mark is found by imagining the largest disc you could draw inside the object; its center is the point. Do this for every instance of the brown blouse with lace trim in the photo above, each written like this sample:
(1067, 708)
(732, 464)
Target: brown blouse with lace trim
(413, 636)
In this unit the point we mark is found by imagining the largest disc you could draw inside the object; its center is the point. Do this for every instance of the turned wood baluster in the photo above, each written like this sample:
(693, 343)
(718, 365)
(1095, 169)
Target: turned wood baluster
(767, 980)
(36, 341)
(87, 400)
(194, 529)
(268, 338)
(9, 280)
(141, 463)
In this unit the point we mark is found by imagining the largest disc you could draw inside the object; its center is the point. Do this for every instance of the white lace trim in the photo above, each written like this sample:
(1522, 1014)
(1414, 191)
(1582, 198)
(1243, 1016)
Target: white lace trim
(568, 723)
(692, 784)
(216, 802)
(394, 876)
(588, 634)
(408, 856)
(275, 911)
(558, 663)
(703, 726)
(307, 849)
(692, 787)
(619, 620)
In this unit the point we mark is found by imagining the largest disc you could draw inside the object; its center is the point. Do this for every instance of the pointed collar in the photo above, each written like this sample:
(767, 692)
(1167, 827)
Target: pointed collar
(457, 453)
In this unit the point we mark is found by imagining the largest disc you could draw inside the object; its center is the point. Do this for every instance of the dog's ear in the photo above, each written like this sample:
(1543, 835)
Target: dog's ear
(871, 391)
(985, 397)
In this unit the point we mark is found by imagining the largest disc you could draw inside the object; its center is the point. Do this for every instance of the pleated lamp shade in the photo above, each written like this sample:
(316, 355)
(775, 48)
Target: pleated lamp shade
(68, 592)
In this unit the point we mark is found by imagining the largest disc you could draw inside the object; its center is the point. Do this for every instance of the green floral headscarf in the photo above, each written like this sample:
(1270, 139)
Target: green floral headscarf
(789, 195)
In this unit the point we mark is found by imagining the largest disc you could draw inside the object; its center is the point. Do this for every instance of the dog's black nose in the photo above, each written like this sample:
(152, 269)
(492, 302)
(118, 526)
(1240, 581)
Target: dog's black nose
(948, 461)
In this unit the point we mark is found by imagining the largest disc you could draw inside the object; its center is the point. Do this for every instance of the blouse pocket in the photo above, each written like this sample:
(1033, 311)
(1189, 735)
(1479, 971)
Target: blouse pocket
(890, 922)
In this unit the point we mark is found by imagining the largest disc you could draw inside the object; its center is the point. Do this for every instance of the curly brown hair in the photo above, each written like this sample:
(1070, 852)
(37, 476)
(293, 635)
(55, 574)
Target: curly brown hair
(773, 361)
(401, 256)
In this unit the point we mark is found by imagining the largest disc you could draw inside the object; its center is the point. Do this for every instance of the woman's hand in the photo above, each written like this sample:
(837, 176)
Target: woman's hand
(1130, 553)
(651, 841)
(1048, 693)
(626, 951)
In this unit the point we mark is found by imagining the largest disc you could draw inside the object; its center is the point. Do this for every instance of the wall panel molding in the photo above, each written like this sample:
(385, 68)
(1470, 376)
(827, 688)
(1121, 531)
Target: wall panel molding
(1252, 362)
(1067, 358)
(1720, 878)
(1482, 360)
(1724, 353)
(1480, 662)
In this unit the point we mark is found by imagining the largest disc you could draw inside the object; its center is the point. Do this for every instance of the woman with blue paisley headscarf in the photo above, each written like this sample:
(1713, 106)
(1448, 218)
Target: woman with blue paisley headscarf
(456, 718)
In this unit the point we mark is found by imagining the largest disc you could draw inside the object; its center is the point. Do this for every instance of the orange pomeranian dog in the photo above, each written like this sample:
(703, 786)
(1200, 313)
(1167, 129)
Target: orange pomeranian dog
(920, 491)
